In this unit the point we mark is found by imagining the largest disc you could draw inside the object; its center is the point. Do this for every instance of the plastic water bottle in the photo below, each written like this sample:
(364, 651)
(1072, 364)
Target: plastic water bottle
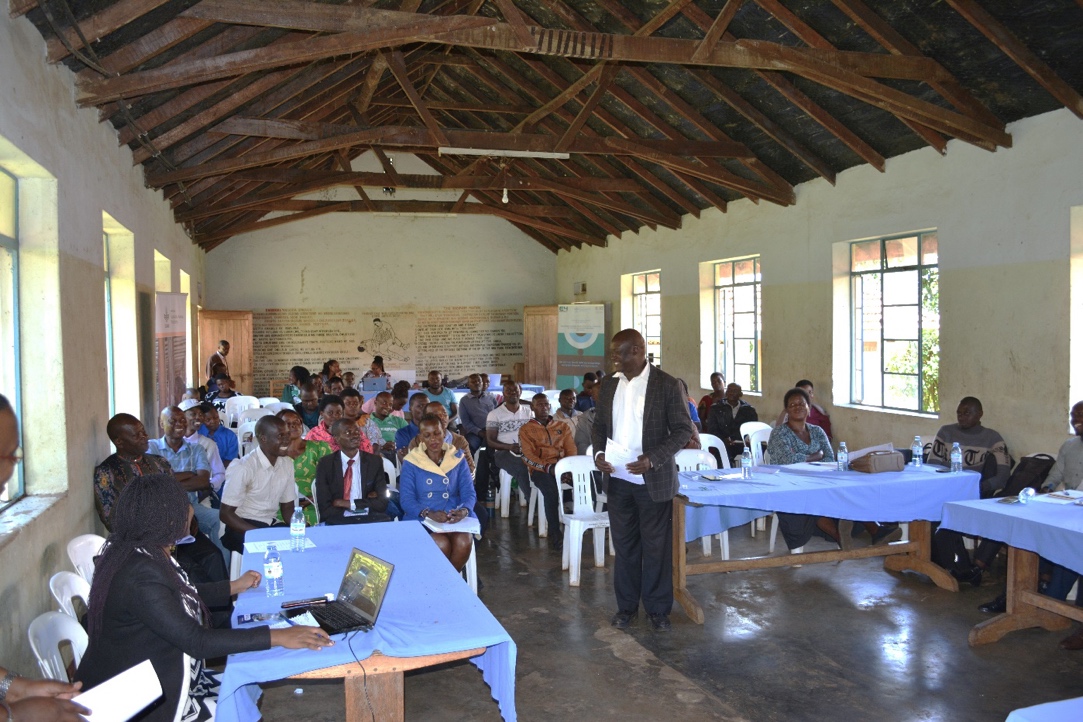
(272, 572)
(843, 457)
(1026, 495)
(297, 530)
(956, 457)
(916, 451)
(746, 463)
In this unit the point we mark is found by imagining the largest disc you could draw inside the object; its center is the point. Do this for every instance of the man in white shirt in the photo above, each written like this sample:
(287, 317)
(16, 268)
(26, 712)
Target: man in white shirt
(259, 485)
(502, 433)
(645, 411)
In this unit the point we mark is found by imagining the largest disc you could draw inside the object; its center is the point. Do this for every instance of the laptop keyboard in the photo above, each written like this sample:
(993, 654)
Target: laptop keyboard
(337, 615)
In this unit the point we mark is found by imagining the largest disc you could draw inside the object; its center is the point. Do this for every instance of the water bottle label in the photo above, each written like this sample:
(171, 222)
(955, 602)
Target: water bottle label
(273, 570)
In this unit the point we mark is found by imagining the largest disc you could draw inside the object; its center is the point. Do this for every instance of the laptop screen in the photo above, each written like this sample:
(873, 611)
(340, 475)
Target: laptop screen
(376, 384)
(365, 583)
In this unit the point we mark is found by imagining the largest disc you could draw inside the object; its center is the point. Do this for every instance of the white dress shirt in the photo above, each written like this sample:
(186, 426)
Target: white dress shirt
(628, 403)
(355, 480)
(256, 488)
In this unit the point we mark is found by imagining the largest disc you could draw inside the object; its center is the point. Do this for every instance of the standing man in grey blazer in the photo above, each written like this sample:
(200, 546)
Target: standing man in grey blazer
(643, 409)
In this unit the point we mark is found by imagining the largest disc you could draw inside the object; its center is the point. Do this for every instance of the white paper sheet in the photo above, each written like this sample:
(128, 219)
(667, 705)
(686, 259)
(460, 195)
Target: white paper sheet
(1064, 496)
(620, 456)
(469, 525)
(120, 698)
(855, 455)
(282, 546)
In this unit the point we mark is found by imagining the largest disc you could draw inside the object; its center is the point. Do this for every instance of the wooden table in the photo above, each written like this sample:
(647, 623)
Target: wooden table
(374, 686)
(835, 494)
(1050, 530)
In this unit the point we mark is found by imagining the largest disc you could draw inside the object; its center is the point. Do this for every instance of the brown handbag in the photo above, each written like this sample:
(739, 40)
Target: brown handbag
(877, 461)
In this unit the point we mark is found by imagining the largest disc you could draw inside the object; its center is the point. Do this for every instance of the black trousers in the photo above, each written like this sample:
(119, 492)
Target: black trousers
(234, 540)
(202, 562)
(642, 531)
(550, 491)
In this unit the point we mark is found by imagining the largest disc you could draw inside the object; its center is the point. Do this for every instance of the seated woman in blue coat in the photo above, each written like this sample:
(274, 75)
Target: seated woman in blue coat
(436, 484)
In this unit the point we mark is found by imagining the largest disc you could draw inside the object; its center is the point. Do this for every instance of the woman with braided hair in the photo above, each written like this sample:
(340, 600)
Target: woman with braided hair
(143, 607)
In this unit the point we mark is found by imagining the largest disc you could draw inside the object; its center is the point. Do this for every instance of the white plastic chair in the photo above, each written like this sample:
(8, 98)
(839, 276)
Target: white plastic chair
(600, 497)
(535, 507)
(278, 406)
(696, 460)
(246, 437)
(710, 441)
(82, 550)
(65, 587)
(756, 440)
(505, 494)
(582, 518)
(46, 634)
(392, 473)
(184, 684)
(236, 404)
(750, 427)
(253, 415)
(266, 401)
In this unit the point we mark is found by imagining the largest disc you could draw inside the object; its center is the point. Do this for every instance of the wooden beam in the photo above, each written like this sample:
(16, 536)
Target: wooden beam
(717, 30)
(664, 16)
(18, 8)
(388, 166)
(464, 107)
(368, 87)
(150, 45)
(99, 25)
(398, 69)
(344, 163)
(605, 78)
(1023, 56)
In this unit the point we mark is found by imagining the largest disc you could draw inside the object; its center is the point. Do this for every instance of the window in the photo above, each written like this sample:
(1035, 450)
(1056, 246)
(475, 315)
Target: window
(737, 321)
(109, 325)
(647, 312)
(9, 314)
(895, 323)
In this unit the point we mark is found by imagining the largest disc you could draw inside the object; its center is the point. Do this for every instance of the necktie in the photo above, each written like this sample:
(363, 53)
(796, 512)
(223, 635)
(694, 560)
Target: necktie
(347, 480)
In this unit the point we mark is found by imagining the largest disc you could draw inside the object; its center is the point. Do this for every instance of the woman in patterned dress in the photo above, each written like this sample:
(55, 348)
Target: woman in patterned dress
(305, 454)
(142, 606)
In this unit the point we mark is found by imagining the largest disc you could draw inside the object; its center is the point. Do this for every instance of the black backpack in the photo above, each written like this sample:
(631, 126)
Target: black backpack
(1030, 471)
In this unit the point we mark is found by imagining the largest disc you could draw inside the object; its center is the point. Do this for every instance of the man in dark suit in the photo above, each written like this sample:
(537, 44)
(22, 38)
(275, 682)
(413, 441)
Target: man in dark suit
(350, 480)
(644, 410)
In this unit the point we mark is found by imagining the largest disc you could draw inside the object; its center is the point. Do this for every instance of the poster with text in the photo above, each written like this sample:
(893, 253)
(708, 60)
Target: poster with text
(580, 342)
(171, 342)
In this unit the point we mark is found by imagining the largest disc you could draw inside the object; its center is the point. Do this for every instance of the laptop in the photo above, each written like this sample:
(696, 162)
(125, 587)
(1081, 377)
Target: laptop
(360, 596)
(376, 384)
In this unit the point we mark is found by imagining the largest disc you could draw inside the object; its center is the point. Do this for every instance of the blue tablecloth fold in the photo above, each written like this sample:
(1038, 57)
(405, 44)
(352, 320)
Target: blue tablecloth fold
(428, 609)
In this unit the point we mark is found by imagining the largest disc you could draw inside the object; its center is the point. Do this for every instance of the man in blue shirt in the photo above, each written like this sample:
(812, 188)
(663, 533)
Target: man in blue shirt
(473, 411)
(190, 467)
(212, 428)
(585, 400)
(437, 392)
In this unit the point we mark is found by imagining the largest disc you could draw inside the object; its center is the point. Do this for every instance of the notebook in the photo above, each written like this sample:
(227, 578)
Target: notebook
(360, 596)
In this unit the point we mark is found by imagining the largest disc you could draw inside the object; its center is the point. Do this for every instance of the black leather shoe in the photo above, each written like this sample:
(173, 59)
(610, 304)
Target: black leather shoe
(972, 575)
(623, 620)
(997, 606)
(660, 622)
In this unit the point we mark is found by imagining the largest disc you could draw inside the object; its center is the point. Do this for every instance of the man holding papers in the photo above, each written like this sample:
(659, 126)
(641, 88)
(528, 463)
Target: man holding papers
(641, 422)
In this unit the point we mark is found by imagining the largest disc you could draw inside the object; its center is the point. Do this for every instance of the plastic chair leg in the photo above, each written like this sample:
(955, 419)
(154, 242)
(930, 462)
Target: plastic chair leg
(470, 571)
(706, 543)
(532, 506)
(505, 493)
(599, 546)
(724, 540)
(574, 544)
(774, 533)
(235, 566)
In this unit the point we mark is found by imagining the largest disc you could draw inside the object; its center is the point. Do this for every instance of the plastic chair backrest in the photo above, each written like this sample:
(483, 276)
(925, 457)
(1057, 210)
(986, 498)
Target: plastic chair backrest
(315, 503)
(46, 633)
(580, 467)
(236, 404)
(277, 406)
(392, 473)
(253, 415)
(554, 397)
(693, 459)
(750, 427)
(82, 550)
(247, 429)
(65, 586)
(755, 445)
(268, 400)
(186, 663)
(710, 441)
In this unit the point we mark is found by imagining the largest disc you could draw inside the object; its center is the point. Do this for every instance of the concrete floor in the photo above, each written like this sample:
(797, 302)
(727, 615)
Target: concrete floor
(845, 641)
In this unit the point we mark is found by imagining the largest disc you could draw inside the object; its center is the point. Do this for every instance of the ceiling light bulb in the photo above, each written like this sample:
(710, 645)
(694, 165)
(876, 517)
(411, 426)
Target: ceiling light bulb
(505, 196)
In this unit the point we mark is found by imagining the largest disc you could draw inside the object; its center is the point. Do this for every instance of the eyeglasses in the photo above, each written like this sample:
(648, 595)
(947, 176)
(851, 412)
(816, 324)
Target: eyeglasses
(13, 458)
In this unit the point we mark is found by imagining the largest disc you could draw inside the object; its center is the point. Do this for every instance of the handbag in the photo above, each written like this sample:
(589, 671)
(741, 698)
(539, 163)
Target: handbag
(878, 461)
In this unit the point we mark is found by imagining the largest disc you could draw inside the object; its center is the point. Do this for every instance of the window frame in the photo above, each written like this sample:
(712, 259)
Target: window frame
(723, 365)
(636, 313)
(856, 312)
(16, 486)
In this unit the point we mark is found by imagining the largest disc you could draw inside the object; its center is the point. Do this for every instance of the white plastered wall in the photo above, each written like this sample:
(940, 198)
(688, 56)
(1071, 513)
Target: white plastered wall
(73, 172)
(342, 260)
(1003, 222)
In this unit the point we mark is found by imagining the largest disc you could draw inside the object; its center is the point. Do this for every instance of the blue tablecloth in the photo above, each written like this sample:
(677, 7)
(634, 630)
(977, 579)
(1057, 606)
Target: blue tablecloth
(428, 609)
(1069, 709)
(907, 495)
(1053, 530)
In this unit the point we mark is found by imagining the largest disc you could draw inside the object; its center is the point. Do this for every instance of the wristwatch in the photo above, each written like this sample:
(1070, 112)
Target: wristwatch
(5, 684)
